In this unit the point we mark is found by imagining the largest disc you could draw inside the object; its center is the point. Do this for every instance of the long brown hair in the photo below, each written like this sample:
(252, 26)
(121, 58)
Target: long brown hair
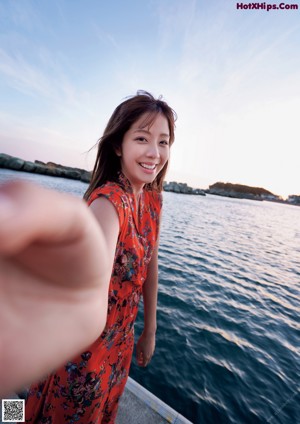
(107, 163)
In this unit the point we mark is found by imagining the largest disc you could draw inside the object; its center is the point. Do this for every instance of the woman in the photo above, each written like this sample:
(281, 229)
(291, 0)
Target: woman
(125, 197)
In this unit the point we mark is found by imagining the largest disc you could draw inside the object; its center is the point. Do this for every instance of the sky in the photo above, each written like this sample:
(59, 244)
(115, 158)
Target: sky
(232, 75)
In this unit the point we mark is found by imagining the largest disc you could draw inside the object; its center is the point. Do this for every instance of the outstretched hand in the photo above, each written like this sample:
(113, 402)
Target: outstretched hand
(53, 281)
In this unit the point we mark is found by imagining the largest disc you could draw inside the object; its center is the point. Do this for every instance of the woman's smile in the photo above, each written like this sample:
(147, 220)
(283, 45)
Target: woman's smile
(149, 166)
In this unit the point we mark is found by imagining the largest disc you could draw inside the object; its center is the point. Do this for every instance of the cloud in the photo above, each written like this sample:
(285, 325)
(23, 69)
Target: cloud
(105, 37)
(46, 79)
(173, 22)
(22, 15)
(23, 76)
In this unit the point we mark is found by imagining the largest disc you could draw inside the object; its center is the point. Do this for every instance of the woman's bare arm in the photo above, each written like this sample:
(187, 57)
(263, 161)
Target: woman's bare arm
(146, 343)
(55, 267)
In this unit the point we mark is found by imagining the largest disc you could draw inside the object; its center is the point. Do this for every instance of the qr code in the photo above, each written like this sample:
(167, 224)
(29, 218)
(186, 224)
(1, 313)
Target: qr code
(13, 410)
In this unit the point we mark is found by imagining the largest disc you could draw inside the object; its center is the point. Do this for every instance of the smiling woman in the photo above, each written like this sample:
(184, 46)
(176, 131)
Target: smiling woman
(145, 152)
(125, 197)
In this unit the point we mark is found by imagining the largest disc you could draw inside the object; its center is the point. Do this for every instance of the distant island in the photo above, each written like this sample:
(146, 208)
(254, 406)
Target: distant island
(241, 191)
(220, 189)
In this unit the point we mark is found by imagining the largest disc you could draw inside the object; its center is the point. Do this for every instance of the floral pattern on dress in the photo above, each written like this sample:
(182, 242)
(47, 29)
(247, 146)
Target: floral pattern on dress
(88, 388)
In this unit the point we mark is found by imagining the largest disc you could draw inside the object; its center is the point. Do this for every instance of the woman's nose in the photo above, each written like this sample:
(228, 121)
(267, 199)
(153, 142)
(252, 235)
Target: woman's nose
(153, 151)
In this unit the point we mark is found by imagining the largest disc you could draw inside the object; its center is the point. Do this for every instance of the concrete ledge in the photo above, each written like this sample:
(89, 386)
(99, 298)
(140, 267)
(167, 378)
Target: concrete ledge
(139, 406)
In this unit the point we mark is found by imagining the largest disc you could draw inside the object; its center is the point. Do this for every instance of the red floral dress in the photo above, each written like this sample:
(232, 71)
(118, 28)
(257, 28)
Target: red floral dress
(88, 388)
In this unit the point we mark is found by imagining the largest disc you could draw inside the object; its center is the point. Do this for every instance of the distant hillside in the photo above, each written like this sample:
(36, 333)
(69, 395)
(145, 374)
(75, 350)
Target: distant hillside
(239, 188)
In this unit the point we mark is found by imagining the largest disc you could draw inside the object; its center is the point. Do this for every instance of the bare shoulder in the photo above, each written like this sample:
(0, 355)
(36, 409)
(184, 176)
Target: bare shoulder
(107, 217)
(103, 207)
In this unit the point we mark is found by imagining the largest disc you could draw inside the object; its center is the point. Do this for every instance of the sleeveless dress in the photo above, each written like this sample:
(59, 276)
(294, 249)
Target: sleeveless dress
(88, 388)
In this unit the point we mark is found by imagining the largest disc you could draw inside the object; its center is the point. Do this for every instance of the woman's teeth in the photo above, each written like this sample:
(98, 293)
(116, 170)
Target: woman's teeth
(144, 165)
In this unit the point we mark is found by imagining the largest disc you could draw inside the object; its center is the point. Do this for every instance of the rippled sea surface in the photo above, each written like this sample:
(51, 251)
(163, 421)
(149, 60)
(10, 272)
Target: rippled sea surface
(228, 340)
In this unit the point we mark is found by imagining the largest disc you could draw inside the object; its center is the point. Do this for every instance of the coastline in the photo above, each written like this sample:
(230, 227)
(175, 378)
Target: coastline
(38, 167)
(237, 191)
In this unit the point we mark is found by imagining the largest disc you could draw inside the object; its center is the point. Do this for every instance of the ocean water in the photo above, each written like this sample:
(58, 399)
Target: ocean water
(228, 339)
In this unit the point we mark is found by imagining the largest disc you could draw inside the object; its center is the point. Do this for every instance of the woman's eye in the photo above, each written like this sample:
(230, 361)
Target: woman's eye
(141, 139)
(164, 142)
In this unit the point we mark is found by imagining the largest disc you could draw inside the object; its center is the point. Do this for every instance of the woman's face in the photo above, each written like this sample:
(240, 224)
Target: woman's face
(145, 151)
